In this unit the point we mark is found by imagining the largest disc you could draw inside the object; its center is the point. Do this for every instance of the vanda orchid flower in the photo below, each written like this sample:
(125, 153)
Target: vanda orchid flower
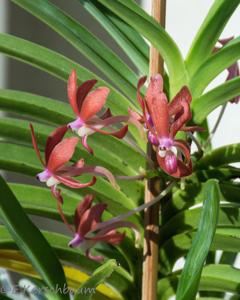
(86, 104)
(164, 120)
(58, 152)
(233, 70)
(87, 218)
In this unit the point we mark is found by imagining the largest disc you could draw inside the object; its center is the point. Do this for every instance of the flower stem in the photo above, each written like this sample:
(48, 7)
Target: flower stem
(136, 209)
(152, 188)
(212, 133)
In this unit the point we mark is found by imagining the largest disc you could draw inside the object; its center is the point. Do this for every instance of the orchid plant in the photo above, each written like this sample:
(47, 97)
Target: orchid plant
(153, 189)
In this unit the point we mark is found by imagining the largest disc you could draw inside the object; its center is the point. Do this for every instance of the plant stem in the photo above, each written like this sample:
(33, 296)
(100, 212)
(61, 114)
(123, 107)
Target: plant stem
(152, 188)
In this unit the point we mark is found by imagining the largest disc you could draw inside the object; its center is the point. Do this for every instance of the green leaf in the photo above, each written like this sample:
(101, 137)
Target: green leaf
(120, 279)
(220, 278)
(84, 41)
(209, 33)
(223, 173)
(17, 131)
(188, 220)
(226, 239)
(23, 160)
(192, 194)
(57, 65)
(132, 14)
(58, 113)
(99, 276)
(189, 280)
(214, 65)
(132, 35)
(30, 240)
(106, 19)
(39, 201)
(220, 156)
(220, 95)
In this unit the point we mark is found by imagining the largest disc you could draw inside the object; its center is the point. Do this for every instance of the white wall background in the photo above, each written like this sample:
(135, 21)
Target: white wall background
(183, 19)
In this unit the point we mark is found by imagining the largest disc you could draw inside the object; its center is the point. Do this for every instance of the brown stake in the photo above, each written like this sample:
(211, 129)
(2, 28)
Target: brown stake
(152, 187)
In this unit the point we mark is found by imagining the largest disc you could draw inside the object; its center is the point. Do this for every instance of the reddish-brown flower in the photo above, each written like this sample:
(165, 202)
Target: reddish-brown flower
(58, 153)
(163, 121)
(87, 218)
(86, 104)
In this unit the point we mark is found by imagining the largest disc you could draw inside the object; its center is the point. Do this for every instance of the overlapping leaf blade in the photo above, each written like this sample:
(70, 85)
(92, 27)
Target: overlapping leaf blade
(23, 160)
(220, 95)
(120, 280)
(17, 131)
(209, 33)
(132, 14)
(30, 240)
(98, 277)
(221, 156)
(222, 278)
(93, 48)
(108, 21)
(214, 65)
(57, 65)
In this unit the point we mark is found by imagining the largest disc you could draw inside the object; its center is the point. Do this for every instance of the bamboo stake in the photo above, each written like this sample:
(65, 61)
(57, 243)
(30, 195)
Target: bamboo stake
(152, 188)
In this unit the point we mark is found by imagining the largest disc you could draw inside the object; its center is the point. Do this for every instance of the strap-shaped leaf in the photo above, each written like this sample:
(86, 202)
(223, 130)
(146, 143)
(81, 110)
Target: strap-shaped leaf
(30, 240)
(39, 201)
(221, 156)
(190, 277)
(214, 65)
(18, 132)
(131, 13)
(106, 19)
(222, 278)
(220, 95)
(14, 262)
(132, 35)
(84, 41)
(23, 160)
(99, 276)
(57, 65)
(58, 113)
(209, 33)
(193, 195)
(188, 220)
(120, 280)
(223, 173)
(226, 239)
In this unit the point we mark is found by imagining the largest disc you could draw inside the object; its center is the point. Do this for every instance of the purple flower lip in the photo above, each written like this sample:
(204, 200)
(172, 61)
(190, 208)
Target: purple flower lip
(75, 125)
(44, 176)
(165, 143)
(171, 163)
(76, 241)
